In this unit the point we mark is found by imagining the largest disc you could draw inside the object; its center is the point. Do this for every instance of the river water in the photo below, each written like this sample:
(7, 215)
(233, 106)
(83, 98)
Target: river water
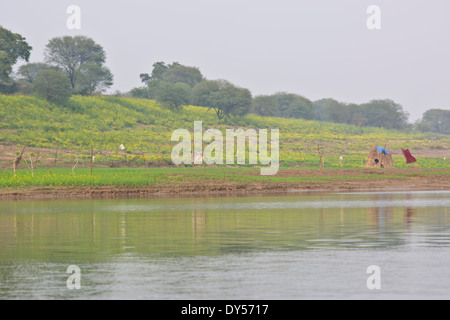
(283, 246)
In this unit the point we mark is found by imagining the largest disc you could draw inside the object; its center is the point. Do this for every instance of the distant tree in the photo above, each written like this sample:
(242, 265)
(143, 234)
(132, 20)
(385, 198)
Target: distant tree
(9, 86)
(159, 68)
(330, 110)
(355, 116)
(152, 88)
(179, 73)
(384, 113)
(13, 47)
(145, 78)
(53, 86)
(173, 73)
(294, 106)
(232, 100)
(223, 97)
(264, 106)
(141, 92)
(72, 53)
(29, 71)
(203, 92)
(435, 120)
(173, 95)
(94, 78)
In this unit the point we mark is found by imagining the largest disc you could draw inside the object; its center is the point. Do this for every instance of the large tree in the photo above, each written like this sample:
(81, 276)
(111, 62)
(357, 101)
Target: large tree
(435, 120)
(223, 97)
(173, 73)
(13, 47)
(173, 95)
(294, 106)
(384, 113)
(180, 73)
(283, 104)
(72, 53)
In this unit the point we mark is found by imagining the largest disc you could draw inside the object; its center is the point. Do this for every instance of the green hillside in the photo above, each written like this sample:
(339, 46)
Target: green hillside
(144, 128)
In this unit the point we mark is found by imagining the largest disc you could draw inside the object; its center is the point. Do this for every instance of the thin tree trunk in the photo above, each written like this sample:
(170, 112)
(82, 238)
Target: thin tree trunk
(92, 159)
(73, 167)
(18, 159)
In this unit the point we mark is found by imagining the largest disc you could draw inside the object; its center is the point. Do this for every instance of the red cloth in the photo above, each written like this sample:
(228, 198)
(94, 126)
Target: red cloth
(408, 156)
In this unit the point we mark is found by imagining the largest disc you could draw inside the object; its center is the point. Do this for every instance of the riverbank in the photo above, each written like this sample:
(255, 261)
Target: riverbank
(171, 182)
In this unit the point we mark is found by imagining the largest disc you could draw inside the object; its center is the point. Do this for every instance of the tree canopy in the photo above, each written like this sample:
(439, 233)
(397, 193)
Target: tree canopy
(29, 71)
(174, 85)
(52, 86)
(435, 120)
(375, 113)
(93, 78)
(178, 73)
(283, 104)
(173, 95)
(385, 113)
(13, 47)
(173, 73)
(72, 53)
(223, 97)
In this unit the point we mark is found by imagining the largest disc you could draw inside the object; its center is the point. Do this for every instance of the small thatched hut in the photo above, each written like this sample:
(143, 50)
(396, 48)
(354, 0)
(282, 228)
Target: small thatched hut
(379, 158)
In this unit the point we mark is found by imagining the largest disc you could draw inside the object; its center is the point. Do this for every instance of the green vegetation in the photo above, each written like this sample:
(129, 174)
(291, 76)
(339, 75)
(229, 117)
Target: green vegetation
(144, 128)
(285, 105)
(175, 86)
(172, 176)
(76, 127)
(78, 58)
(72, 53)
(173, 95)
(53, 86)
(225, 98)
(13, 47)
(435, 120)
(376, 113)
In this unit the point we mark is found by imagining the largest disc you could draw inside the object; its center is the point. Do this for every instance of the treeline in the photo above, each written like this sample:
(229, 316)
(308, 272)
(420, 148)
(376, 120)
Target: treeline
(72, 65)
(76, 65)
(175, 85)
(376, 113)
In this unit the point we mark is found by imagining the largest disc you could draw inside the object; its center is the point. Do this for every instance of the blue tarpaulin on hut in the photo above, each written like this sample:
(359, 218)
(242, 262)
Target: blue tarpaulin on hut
(381, 150)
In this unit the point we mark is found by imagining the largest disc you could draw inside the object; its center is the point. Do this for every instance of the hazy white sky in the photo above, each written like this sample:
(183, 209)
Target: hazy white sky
(319, 49)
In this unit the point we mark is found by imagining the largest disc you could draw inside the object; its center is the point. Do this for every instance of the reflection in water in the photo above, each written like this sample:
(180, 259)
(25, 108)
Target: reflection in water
(198, 225)
(409, 212)
(98, 233)
(213, 225)
(381, 216)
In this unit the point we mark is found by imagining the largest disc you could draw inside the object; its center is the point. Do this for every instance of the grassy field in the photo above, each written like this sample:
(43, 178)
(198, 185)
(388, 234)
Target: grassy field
(144, 128)
(200, 176)
(57, 137)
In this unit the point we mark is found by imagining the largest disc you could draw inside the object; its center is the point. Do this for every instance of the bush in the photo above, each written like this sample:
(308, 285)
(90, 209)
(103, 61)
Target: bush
(52, 86)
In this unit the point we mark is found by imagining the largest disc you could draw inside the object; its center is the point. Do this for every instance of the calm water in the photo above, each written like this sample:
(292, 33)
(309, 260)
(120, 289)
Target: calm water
(296, 246)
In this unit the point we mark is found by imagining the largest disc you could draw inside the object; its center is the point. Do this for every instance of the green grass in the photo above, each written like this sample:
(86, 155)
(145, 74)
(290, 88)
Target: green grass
(138, 177)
